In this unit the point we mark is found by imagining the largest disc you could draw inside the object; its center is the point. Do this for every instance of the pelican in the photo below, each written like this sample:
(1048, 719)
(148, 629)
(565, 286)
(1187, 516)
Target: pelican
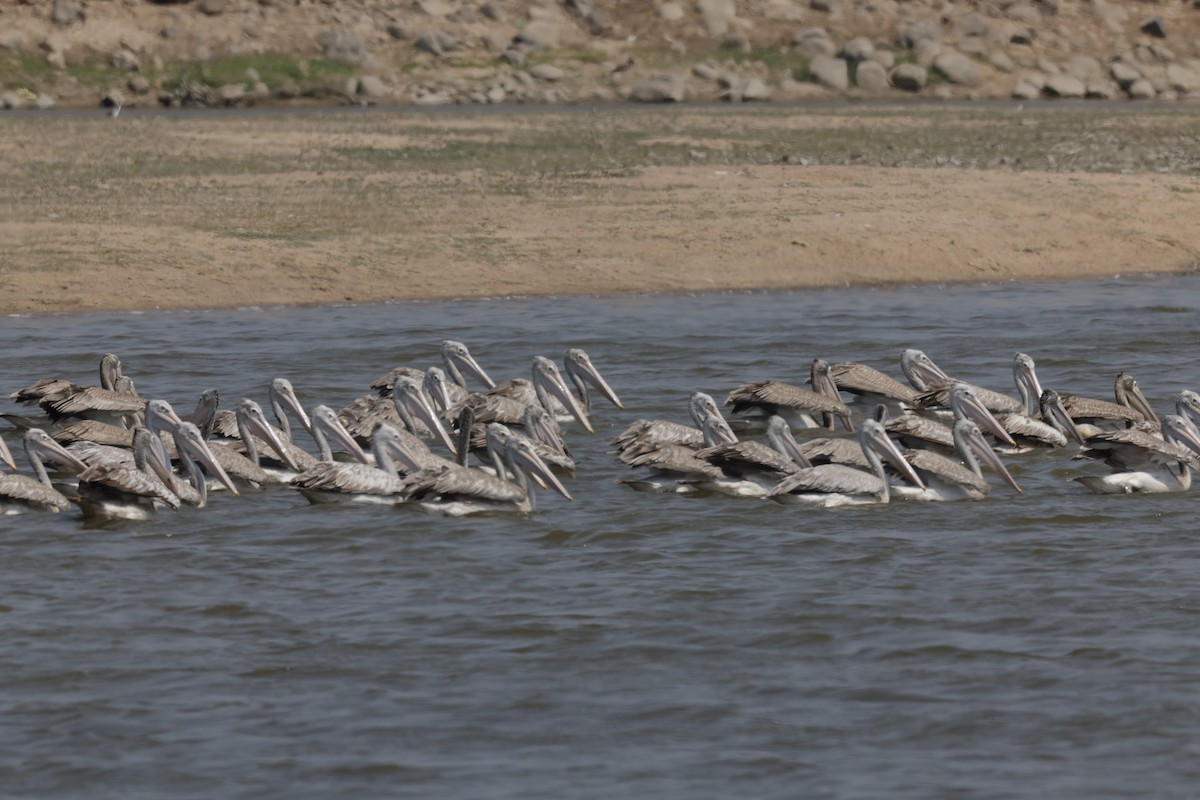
(1024, 376)
(645, 434)
(337, 482)
(582, 372)
(194, 452)
(795, 404)
(920, 432)
(870, 385)
(115, 443)
(1130, 408)
(456, 357)
(284, 404)
(116, 405)
(832, 485)
(548, 386)
(920, 371)
(947, 479)
(116, 490)
(243, 460)
(752, 469)
(458, 491)
(1147, 463)
(110, 371)
(20, 493)
(675, 467)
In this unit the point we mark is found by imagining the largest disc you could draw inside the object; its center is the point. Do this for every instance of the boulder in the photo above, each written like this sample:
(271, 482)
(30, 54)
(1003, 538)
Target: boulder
(1024, 90)
(212, 7)
(717, 15)
(663, 87)
(812, 43)
(830, 72)
(125, 61)
(1124, 74)
(371, 86)
(1100, 89)
(1182, 79)
(857, 50)
(1065, 86)
(871, 76)
(909, 77)
(67, 12)
(547, 72)
(1001, 62)
(344, 46)
(919, 31)
(884, 58)
(1141, 89)
(1154, 26)
(11, 100)
(958, 69)
(754, 90)
(1083, 67)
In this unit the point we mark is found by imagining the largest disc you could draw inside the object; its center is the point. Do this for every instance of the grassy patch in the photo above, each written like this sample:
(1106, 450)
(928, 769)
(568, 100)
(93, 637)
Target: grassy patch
(274, 69)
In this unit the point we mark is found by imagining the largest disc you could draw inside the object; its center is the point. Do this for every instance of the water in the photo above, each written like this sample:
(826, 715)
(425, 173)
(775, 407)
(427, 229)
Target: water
(623, 644)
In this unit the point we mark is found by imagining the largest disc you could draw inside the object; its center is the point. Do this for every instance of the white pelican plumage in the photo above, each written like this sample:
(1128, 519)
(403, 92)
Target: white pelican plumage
(339, 482)
(948, 479)
(1146, 463)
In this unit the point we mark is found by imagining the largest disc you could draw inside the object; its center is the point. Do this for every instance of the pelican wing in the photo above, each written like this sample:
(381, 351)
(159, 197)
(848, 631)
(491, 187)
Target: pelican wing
(830, 450)
(675, 458)
(126, 480)
(495, 408)
(90, 430)
(350, 478)
(1088, 409)
(1134, 449)
(830, 479)
(93, 398)
(861, 379)
(44, 388)
(658, 432)
(519, 389)
(910, 427)
(383, 386)
(996, 402)
(747, 456)
(776, 393)
(452, 482)
(1021, 427)
(946, 469)
(29, 492)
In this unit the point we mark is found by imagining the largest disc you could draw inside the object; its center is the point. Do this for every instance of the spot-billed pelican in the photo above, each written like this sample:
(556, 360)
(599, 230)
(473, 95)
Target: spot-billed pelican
(647, 434)
(1146, 463)
(338, 482)
(948, 479)
(20, 493)
(797, 405)
(838, 485)
(548, 385)
(1131, 407)
(110, 372)
(750, 468)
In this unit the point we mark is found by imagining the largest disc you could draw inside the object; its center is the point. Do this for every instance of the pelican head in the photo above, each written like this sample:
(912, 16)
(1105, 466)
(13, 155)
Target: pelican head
(458, 360)
(702, 406)
(717, 431)
(110, 370)
(966, 404)
(411, 400)
(1179, 431)
(41, 445)
(920, 370)
(1025, 376)
(6, 455)
(206, 411)
(779, 434)
(250, 416)
(283, 399)
(436, 387)
(1056, 415)
(582, 372)
(189, 439)
(547, 378)
(968, 437)
(1187, 405)
(326, 423)
(521, 456)
(878, 447)
(540, 426)
(1129, 394)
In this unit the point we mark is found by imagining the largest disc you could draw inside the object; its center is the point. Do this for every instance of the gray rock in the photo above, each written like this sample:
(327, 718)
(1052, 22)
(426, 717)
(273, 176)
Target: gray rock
(717, 14)
(813, 42)
(1024, 36)
(1100, 89)
(1141, 89)
(1124, 74)
(1001, 62)
(496, 94)
(958, 69)
(344, 46)
(547, 72)
(67, 12)
(125, 61)
(397, 31)
(827, 6)
(1035, 79)
(919, 31)
(857, 49)
(496, 14)
(11, 100)
(754, 90)
(514, 57)
(371, 86)
(430, 42)
(926, 51)
(660, 88)
(530, 41)
(232, 94)
(44, 101)
(909, 77)
(884, 58)
(973, 24)
(706, 71)
(212, 7)
(138, 85)
(170, 32)
(1182, 79)
(1083, 67)
(1063, 85)
(830, 72)
(1024, 90)
(1023, 12)
(1154, 26)
(113, 98)
(871, 76)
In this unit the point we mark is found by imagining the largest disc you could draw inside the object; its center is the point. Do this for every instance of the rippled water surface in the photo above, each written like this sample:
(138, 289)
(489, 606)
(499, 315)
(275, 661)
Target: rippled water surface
(623, 645)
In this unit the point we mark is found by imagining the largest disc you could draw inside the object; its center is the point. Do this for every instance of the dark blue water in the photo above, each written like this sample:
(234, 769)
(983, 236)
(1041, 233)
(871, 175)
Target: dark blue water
(623, 645)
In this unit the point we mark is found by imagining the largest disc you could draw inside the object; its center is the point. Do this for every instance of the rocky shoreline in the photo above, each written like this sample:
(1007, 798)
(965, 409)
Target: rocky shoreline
(124, 53)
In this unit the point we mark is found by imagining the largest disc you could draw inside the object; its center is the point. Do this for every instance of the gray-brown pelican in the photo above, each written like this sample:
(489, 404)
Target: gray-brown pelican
(243, 459)
(284, 404)
(1131, 407)
(1146, 463)
(1024, 376)
(194, 452)
(116, 490)
(647, 434)
(948, 479)
(456, 357)
(338, 482)
(20, 493)
(458, 491)
(110, 371)
(752, 469)
(676, 467)
(838, 485)
(116, 443)
(870, 385)
(117, 405)
(582, 372)
(919, 432)
(797, 405)
(920, 371)
(548, 385)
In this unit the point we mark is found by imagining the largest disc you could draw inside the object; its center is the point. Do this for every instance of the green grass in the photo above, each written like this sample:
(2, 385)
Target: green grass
(274, 69)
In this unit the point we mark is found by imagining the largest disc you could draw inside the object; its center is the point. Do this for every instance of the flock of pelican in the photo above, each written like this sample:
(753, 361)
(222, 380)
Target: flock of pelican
(410, 441)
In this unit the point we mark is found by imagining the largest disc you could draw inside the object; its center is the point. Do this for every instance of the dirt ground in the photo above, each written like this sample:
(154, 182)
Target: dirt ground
(256, 216)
